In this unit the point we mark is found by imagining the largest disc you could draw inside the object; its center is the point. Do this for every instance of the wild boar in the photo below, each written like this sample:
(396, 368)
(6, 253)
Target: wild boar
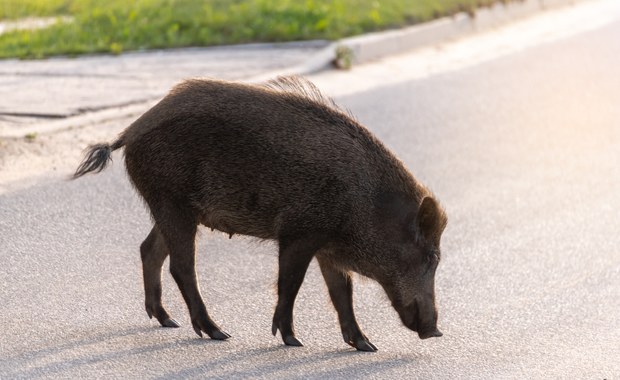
(279, 161)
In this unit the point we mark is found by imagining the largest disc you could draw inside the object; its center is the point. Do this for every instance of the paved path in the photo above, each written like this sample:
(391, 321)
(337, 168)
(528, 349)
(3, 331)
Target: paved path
(35, 91)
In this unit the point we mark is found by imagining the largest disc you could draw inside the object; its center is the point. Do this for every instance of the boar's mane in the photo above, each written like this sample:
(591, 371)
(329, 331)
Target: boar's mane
(306, 89)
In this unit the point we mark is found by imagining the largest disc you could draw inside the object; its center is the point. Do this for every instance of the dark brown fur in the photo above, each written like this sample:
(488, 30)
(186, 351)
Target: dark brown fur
(283, 162)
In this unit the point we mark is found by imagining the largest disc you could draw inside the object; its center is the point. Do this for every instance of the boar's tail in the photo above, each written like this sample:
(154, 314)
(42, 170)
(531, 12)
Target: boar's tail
(97, 158)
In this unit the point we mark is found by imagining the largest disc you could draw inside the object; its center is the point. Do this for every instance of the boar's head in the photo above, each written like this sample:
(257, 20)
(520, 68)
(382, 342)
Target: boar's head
(409, 252)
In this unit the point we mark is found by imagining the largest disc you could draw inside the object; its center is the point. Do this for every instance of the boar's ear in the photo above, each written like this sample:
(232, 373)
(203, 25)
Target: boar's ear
(430, 220)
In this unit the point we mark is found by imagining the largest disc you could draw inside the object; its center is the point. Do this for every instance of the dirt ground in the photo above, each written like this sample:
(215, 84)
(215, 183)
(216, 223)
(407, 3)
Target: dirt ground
(24, 161)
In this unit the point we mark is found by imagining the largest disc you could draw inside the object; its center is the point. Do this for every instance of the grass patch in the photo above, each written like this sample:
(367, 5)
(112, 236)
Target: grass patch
(15, 9)
(114, 26)
(30, 137)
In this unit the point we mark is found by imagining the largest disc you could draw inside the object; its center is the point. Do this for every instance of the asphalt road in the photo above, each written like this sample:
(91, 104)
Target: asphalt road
(524, 153)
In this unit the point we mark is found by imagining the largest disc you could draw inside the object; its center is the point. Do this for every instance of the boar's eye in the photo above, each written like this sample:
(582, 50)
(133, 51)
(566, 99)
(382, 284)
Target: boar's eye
(433, 258)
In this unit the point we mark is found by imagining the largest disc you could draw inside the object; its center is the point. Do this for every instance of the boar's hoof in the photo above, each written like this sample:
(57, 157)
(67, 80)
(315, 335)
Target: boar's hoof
(214, 334)
(290, 340)
(219, 335)
(364, 345)
(361, 343)
(170, 323)
(163, 318)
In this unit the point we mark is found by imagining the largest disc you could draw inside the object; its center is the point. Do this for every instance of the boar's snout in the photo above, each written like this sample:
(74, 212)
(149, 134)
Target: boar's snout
(421, 317)
(430, 334)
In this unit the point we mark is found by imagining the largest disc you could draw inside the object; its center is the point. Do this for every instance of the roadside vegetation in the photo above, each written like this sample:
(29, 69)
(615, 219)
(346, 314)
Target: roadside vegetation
(114, 26)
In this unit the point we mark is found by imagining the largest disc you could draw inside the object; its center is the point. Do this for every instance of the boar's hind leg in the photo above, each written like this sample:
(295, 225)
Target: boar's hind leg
(153, 252)
(294, 257)
(179, 232)
(341, 292)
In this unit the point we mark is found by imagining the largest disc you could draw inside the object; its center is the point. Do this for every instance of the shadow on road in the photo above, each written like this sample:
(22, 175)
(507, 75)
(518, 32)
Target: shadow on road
(336, 364)
(106, 350)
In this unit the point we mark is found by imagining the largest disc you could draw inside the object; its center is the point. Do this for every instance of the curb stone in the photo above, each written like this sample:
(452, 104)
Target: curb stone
(373, 46)
(364, 48)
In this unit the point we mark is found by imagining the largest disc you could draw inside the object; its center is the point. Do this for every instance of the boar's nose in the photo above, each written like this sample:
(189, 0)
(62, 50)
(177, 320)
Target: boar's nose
(430, 334)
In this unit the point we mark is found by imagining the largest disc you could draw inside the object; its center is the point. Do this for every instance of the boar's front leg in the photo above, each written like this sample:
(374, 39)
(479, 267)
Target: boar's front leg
(153, 252)
(341, 293)
(294, 257)
(179, 232)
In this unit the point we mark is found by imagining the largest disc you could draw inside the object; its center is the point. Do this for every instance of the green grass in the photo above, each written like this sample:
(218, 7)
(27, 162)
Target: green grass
(120, 25)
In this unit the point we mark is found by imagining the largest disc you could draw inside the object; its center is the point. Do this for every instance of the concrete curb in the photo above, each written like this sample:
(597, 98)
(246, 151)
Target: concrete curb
(374, 46)
(365, 48)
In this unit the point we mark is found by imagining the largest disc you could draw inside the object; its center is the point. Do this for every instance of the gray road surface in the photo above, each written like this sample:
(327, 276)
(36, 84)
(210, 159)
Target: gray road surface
(523, 151)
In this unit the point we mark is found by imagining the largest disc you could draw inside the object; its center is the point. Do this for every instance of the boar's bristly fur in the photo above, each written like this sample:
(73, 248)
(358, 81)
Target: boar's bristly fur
(280, 161)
